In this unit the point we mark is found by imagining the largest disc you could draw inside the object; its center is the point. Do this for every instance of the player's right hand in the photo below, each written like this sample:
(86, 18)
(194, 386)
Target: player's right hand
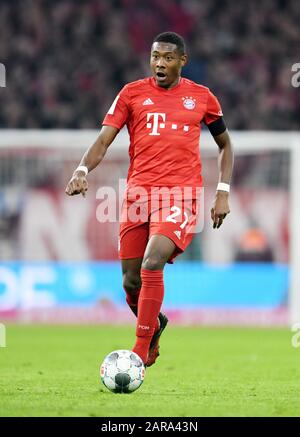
(77, 184)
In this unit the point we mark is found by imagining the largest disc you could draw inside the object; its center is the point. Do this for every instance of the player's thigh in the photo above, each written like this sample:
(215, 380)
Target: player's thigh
(158, 251)
(133, 242)
(174, 223)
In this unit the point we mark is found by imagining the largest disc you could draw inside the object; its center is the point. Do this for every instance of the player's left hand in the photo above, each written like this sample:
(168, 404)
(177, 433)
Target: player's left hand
(220, 208)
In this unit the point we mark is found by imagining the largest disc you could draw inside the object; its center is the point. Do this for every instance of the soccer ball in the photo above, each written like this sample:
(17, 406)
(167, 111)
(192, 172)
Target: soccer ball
(122, 371)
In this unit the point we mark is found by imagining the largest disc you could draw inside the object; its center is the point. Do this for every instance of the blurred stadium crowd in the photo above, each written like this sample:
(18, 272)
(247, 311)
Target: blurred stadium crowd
(66, 59)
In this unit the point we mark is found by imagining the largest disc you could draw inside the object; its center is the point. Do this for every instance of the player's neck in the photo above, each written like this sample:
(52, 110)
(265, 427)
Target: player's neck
(170, 86)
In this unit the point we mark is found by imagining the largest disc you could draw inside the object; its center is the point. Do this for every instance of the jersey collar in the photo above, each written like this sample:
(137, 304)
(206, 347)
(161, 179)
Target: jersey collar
(153, 83)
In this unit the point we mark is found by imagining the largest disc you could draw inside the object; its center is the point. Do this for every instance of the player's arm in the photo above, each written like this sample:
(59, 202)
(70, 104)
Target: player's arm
(92, 157)
(220, 207)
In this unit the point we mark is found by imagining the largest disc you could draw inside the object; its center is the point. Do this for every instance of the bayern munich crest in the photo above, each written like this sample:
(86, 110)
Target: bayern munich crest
(189, 102)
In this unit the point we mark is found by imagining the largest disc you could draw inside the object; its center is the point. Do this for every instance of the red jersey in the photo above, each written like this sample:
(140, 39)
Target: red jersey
(164, 129)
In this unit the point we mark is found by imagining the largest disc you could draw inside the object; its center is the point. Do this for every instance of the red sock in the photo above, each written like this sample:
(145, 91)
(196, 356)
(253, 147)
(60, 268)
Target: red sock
(149, 304)
(132, 301)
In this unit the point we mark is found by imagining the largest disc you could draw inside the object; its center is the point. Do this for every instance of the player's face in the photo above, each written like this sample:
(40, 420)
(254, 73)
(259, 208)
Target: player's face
(166, 64)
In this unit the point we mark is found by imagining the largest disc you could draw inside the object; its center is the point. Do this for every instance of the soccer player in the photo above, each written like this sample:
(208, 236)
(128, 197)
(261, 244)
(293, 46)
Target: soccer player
(163, 114)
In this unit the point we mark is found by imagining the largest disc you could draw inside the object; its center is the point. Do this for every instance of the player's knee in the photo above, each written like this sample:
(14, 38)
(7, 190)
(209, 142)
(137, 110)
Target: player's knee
(131, 283)
(153, 262)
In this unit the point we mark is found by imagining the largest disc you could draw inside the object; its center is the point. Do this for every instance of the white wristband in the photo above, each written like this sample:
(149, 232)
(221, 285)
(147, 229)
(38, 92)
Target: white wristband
(82, 168)
(223, 187)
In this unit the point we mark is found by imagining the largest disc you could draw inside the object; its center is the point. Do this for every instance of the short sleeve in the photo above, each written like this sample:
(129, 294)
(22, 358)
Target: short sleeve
(213, 109)
(118, 113)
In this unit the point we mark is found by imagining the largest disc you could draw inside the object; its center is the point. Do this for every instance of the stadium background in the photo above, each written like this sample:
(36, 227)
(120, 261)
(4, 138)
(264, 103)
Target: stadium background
(65, 62)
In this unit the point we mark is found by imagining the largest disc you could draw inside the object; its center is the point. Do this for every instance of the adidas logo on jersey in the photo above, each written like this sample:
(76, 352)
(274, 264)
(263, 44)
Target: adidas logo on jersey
(178, 234)
(148, 102)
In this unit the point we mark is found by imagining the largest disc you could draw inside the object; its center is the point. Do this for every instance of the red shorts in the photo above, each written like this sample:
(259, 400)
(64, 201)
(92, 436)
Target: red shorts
(174, 219)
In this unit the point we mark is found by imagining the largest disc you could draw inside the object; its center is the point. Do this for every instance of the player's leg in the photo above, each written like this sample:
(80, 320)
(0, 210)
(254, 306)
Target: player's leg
(158, 251)
(133, 240)
(168, 239)
(131, 270)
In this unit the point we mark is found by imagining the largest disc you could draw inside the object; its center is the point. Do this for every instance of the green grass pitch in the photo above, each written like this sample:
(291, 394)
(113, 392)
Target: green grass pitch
(54, 371)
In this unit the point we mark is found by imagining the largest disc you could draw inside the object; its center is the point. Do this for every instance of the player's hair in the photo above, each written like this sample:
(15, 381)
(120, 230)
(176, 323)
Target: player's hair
(172, 38)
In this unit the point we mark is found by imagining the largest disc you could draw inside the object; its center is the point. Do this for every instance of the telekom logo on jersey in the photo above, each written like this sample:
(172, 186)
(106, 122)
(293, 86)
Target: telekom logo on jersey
(156, 120)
